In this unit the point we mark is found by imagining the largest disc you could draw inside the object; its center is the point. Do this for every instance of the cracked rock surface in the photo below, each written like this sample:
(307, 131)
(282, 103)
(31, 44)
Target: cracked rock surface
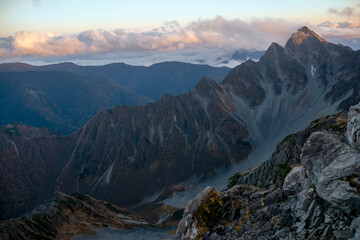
(319, 197)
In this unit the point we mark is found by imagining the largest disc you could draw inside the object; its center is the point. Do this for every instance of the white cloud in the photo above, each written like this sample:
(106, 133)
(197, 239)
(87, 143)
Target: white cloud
(203, 35)
(217, 32)
(346, 29)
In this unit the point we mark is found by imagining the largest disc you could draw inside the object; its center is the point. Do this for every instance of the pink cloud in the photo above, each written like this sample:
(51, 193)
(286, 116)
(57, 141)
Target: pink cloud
(202, 34)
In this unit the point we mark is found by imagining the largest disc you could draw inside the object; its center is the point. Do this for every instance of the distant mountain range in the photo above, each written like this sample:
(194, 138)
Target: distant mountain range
(129, 152)
(243, 55)
(60, 101)
(64, 96)
(231, 59)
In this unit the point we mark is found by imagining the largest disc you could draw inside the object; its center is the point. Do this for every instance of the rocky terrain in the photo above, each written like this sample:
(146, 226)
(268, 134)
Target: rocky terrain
(287, 154)
(69, 215)
(318, 198)
(152, 147)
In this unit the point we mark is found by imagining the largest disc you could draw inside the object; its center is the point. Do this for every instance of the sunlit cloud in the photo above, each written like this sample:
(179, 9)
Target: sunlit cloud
(346, 29)
(212, 33)
(216, 33)
(345, 24)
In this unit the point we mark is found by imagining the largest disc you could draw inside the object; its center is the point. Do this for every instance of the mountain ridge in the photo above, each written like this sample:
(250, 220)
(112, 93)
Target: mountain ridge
(220, 109)
(151, 147)
(61, 101)
(153, 81)
(44, 98)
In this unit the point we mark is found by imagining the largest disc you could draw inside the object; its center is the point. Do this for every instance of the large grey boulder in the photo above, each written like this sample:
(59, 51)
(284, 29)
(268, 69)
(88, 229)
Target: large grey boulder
(355, 228)
(334, 166)
(187, 222)
(296, 181)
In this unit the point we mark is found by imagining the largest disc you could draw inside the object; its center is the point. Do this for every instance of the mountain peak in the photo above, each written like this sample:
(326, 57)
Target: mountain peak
(303, 34)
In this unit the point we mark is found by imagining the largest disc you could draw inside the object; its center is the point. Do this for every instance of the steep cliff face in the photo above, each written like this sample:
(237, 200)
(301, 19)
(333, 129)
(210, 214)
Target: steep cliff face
(319, 197)
(127, 153)
(287, 153)
(148, 148)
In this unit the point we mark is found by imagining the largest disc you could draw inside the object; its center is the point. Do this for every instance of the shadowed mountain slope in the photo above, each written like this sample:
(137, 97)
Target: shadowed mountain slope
(127, 153)
(61, 101)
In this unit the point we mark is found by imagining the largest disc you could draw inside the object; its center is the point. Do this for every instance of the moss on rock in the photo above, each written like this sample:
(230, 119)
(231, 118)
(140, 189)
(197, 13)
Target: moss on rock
(209, 212)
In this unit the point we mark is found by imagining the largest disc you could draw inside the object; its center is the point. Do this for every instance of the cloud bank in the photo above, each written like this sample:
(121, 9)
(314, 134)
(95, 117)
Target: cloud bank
(217, 33)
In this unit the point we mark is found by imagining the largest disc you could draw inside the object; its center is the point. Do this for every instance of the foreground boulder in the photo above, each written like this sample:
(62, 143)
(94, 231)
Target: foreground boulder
(319, 197)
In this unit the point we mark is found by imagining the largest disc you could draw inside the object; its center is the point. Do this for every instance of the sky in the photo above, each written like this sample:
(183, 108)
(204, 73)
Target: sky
(143, 32)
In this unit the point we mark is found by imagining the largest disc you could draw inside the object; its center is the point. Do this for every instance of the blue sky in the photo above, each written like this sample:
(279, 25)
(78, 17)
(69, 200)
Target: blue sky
(71, 16)
(69, 29)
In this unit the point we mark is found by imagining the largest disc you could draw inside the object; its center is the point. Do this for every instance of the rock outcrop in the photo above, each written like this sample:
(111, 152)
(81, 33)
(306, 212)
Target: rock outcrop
(69, 215)
(319, 198)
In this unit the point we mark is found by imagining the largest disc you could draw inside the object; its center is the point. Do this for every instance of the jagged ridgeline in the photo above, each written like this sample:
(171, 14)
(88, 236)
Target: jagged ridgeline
(127, 153)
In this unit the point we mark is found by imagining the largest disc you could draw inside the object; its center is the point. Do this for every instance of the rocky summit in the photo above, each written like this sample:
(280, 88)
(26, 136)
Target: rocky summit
(127, 153)
(318, 197)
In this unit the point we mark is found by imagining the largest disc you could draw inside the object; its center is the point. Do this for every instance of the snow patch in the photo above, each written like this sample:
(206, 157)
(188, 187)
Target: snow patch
(203, 102)
(163, 219)
(185, 136)
(112, 124)
(133, 123)
(106, 176)
(127, 219)
(108, 173)
(161, 135)
(15, 147)
(32, 93)
(151, 134)
(313, 71)
(132, 158)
